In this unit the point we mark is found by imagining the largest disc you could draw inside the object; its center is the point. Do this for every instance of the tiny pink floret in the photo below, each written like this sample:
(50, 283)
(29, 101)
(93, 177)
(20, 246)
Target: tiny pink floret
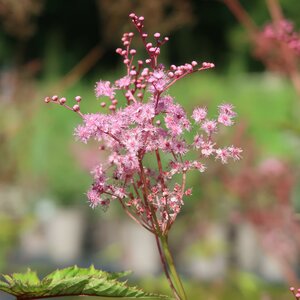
(199, 114)
(103, 88)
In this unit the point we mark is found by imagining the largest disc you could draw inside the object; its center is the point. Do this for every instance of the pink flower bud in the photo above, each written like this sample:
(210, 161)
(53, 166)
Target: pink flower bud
(76, 108)
(188, 192)
(188, 67)
(54, 98)
(208, 65)
(47, 99)
(132, 15)
(78, 98)
(166, 39)
(141, 18)
(157, 35)
(148, 45)
(131, 34)
(132, 52)
(103, 104)
(148, 61)
(194, 63)
(114, 102)
(144, 35)
(62, 100)
(112, 107)
(119, 50)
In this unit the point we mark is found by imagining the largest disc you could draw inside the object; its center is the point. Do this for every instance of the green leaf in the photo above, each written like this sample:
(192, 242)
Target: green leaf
(72, 281)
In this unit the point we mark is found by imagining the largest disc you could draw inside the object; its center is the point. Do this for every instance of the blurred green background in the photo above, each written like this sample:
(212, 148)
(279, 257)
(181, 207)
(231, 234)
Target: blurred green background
(237, 238)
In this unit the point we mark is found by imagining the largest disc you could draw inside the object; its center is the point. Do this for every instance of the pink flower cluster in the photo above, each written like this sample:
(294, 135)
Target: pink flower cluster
(205, 143)
(283, 31)
(145, 138)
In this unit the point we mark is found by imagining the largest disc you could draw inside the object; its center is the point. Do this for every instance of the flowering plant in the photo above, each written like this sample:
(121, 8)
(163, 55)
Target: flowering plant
(144, 134)
(277, 44)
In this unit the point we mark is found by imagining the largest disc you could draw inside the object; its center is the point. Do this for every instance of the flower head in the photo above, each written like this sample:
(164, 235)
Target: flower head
(199, 114)
(103, 88)
(94, 198)
(123, 82)
(209, 126)
(227, 109)
(146, 124)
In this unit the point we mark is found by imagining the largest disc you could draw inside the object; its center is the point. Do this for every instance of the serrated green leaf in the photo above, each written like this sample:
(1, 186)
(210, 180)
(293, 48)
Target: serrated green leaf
(4, 286)
(29, 277)
(72, 281)
(8, 278)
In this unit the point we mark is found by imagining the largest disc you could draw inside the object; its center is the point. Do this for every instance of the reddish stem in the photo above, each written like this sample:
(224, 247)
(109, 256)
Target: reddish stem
(242, 16)
(133, 217)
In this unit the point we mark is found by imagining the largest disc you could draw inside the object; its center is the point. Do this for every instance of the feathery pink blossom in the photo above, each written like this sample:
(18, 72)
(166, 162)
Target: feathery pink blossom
(143, 125)
(103, 88)
(199, 114)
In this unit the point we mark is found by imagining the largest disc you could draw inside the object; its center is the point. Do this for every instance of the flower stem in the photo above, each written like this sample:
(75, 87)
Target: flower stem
(165, 267)
(172, 268)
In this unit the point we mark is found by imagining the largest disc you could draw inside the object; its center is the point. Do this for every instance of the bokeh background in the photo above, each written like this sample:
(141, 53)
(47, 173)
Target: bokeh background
(238, 236)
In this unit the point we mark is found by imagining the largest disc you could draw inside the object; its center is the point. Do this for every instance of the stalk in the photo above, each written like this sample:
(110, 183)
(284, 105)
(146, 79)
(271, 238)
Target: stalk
(172, 268)
(165, 267)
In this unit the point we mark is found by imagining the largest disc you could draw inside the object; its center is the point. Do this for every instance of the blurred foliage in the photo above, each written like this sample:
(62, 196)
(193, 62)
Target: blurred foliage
(238, 285)
(166, 15)
(192, 26)
(9, 231)
(17, 17)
